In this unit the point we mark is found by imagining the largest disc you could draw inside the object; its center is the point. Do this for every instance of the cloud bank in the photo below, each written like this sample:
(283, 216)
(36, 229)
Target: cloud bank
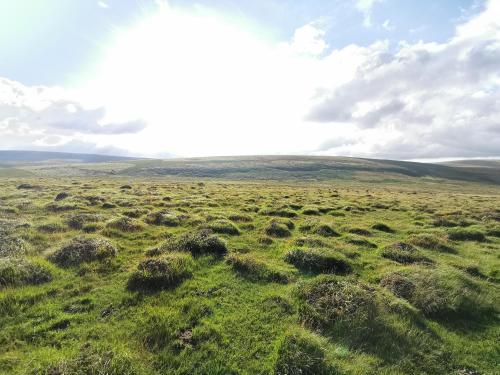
(205, 86)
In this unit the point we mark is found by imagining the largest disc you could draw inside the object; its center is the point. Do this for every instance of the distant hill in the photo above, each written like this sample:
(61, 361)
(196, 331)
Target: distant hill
(303, 167)
(16, 157)
(318, 168)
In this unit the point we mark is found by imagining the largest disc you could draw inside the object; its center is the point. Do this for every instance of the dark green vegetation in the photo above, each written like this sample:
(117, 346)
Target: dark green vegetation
(176, 276)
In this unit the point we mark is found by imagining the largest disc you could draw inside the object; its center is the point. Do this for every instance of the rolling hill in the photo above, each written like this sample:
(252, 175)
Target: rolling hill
(318, 168)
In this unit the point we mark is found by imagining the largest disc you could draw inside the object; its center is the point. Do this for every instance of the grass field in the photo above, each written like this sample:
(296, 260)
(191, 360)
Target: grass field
(195, 276)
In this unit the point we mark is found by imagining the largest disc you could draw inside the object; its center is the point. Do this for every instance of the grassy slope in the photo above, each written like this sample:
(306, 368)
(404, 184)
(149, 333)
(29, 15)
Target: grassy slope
(221, 321)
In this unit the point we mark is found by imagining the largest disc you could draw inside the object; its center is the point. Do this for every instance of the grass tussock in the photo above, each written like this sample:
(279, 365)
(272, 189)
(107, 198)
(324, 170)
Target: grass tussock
(125, 224)
(164, 218)
(318, 261)
(405, 253)
(83, 250)
(383, 228)
(224, 227)
(301, 352)
(330, 304)
(277, 229)
(463, 234)
(431, 242)
(253, 269)
(162, 272)
(197, 243)
(439, 292)
(91, 361)
(19, 271)
(78, 221)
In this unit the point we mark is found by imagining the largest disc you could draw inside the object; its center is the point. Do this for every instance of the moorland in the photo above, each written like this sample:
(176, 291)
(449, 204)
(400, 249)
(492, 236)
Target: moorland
(253, 265)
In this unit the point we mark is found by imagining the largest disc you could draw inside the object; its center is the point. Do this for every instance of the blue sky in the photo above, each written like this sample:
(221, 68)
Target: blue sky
(396, 79)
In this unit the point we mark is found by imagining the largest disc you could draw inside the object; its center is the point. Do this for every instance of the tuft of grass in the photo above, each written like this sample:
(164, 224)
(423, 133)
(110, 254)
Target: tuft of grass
(301, 353)
(83, 250)
(253, 269)
(78, 221)
(90, 360)
(197, 243)
(318, 261)
(325, 230)
(224, 227)
(51, 228)
(402, 252)
(430, 242)
(277, 229)
(19, 271)
(278, 212)
(162, 272)
(441, 292)
(382, 228)
(165, 218)
(330, 304)
(463, 234)
(125, 224)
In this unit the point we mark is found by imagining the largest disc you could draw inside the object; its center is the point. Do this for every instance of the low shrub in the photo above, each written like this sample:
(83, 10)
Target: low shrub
(466, 235)
(402, 252)
(224, 227)
(83, 250)
(382, 228)
(330, 304)
(125, 224)
(253, 269)
(19, 271)
(197, 243)
(301, 352)
(318, 261)
(163, 272)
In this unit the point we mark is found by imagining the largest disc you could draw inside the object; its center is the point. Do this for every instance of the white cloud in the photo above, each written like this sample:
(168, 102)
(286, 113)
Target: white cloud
(103, 5)
(428, 100)
(365, 7)
(308, 40)
(45, 116)
(205, 85)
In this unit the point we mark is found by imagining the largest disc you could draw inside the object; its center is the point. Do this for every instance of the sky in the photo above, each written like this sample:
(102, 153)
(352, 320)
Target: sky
(391, 79)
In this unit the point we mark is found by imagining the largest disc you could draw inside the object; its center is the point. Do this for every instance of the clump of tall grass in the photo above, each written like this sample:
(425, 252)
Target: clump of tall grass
(162, 272)
(318, 261)
(83, 250)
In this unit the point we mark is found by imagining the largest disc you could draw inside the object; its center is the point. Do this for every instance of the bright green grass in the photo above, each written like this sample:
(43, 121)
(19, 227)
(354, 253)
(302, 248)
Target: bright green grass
(221, 319)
